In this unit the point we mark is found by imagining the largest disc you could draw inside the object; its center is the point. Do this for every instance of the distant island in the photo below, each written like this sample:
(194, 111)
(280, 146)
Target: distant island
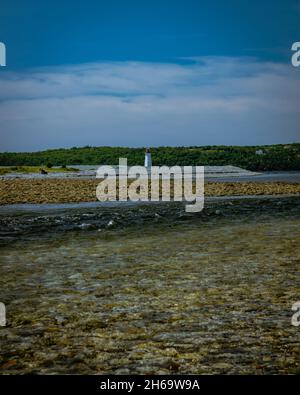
(255, 158)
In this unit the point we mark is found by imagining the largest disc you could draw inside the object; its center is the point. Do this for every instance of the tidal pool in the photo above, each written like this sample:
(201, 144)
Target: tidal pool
(152, 290)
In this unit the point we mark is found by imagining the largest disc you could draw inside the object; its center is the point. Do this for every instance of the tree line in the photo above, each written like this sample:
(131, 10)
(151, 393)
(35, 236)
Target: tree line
(255, 158)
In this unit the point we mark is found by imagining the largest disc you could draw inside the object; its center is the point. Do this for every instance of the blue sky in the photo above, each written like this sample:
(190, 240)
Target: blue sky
(141, 72)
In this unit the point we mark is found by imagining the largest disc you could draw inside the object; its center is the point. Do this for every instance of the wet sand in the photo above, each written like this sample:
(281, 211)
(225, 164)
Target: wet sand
(42, 191)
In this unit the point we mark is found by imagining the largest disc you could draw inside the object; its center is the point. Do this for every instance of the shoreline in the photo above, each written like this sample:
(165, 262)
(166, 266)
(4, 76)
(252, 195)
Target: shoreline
(36, 222)
(21, 208)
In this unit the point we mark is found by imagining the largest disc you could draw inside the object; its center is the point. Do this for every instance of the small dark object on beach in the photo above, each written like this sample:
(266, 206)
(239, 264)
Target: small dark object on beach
(42, 171)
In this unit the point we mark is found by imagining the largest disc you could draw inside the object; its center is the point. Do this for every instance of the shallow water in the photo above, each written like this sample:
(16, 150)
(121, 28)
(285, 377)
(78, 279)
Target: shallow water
(152, 289)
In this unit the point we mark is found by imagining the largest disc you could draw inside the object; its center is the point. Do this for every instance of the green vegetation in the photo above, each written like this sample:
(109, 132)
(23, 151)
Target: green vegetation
(272, 157)
(33, 169)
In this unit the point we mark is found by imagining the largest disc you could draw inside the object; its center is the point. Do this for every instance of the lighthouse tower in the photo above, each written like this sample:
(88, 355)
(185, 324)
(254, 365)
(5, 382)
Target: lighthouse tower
(148, 160)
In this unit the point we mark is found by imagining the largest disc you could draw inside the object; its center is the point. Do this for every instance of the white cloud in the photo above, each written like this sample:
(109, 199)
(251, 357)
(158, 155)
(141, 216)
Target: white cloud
(205, 100)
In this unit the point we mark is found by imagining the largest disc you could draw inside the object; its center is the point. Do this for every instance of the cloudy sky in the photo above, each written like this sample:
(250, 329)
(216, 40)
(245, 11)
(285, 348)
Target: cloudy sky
(148, 73)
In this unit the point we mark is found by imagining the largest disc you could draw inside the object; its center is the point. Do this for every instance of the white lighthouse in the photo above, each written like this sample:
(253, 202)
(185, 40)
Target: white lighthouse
(148, 160)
